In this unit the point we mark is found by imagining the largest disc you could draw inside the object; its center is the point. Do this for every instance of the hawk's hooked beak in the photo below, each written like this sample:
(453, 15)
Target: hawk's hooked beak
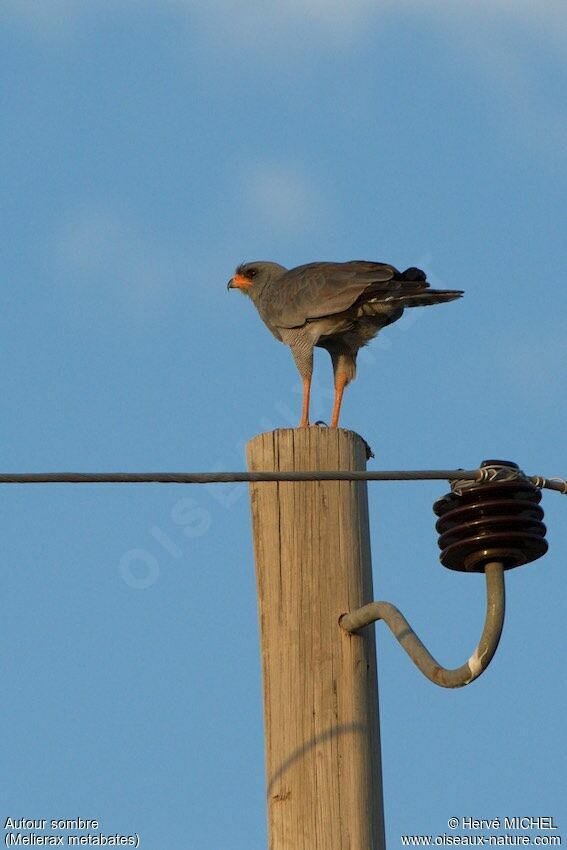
(239, 281)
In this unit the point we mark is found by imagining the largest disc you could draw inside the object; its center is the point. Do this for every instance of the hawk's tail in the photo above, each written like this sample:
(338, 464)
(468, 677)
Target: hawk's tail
(419, 294)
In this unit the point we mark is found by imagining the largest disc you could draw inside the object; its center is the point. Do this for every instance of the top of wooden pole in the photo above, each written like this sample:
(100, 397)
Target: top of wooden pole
(324, 445)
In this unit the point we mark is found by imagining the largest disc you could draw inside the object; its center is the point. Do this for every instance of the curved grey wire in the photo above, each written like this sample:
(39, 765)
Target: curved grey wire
(420, 655)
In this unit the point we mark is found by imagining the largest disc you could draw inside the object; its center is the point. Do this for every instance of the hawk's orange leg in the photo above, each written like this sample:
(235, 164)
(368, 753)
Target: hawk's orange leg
(305, 410)
(341, 381)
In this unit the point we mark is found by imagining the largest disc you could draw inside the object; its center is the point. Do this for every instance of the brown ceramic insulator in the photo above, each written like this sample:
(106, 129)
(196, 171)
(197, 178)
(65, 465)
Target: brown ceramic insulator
(498, 520)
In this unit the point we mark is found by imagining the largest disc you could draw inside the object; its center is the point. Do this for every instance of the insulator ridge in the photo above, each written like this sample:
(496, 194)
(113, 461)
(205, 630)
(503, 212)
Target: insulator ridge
(493, 520)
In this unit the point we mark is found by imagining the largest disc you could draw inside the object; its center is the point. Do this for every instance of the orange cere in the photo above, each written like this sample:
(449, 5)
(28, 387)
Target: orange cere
(241, 282)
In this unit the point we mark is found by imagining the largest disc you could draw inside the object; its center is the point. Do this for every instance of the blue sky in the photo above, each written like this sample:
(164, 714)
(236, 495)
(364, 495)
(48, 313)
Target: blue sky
(146, 149)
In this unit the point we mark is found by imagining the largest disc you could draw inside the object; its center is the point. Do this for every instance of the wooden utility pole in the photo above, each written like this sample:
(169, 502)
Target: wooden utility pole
(312, 550)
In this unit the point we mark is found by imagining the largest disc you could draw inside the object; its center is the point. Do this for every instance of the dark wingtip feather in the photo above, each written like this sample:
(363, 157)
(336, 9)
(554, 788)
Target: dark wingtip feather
(413, 273)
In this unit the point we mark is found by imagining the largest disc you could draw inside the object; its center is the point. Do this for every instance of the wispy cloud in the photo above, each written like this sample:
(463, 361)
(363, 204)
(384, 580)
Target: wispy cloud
(297, 24)
(280, 195)
(494, 37)
(54, 21)
(505, 44)
(98, 249)
(346, 17)
(343, 17)
(47, 20)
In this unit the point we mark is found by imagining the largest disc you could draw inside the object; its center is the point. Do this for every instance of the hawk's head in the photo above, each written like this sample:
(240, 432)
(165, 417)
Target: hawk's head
(249, 276)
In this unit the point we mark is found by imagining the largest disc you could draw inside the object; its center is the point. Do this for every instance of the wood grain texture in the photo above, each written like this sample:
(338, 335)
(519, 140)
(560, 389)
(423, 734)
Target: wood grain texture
(312, 551)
